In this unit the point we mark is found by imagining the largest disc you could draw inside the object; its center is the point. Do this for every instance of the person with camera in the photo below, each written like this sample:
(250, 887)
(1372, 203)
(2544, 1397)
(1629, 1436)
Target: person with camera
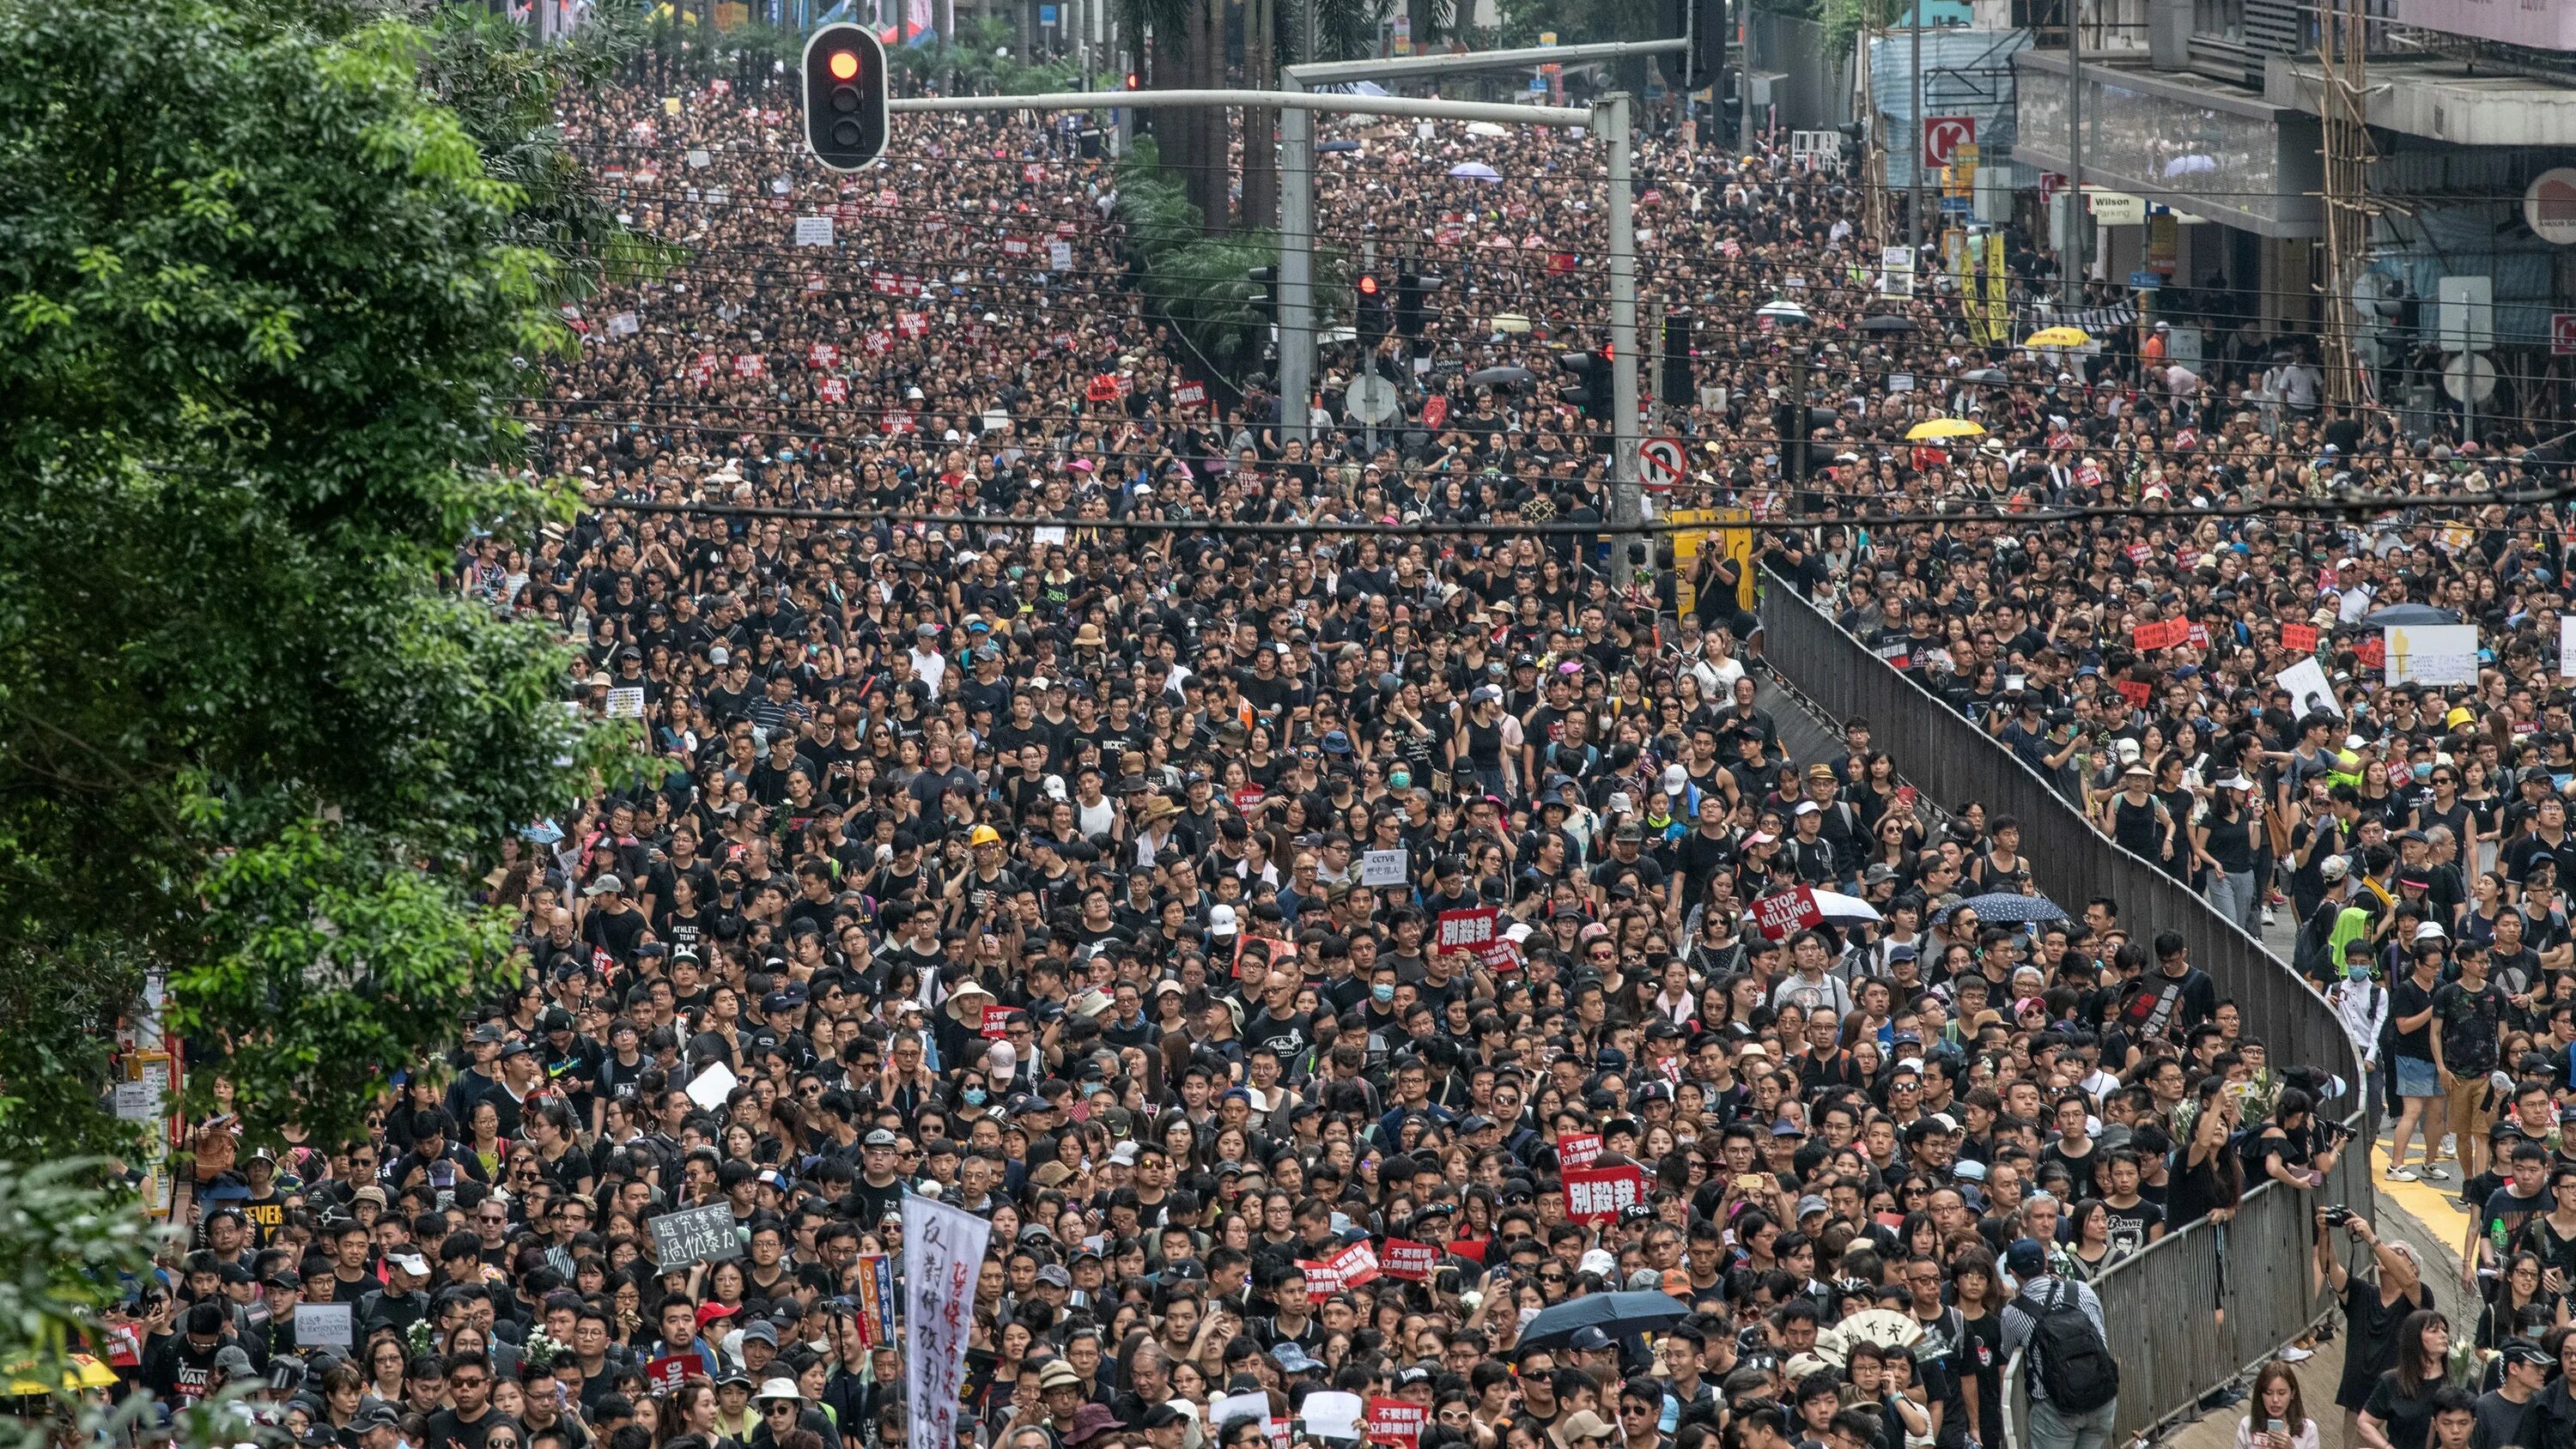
(2373, 1305)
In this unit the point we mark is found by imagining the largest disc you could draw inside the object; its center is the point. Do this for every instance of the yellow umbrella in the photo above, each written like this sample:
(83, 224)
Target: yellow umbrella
(2058, 337)
(1944, 428)
(81, 1371)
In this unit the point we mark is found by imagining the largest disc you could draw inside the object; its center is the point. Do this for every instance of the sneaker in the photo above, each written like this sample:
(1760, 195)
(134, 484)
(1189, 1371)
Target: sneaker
(2436, 1172)
(2267, 916)
(2450, 1147)
(2402, 1174)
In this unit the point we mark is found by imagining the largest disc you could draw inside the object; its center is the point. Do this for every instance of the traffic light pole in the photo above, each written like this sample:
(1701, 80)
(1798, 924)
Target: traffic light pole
(1627, 504)
(1296, 276)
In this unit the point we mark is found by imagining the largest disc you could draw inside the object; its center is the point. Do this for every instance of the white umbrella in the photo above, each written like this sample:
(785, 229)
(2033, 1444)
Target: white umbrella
(1475, 171)
(1485, 128)
(1840, 907)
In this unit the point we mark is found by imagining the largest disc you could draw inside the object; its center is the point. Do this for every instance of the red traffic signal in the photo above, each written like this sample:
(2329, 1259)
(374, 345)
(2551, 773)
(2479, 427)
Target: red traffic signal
(845, 97)
(1368, 286)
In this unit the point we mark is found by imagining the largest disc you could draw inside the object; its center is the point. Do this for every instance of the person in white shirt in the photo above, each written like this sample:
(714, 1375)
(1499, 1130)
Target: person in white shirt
(928, 664)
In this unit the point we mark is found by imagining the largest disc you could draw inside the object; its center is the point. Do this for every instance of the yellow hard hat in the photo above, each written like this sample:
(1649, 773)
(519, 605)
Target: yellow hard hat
(984, 835)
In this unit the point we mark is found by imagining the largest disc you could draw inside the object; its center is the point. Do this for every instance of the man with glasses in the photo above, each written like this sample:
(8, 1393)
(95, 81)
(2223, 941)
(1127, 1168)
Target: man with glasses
(469, 1422)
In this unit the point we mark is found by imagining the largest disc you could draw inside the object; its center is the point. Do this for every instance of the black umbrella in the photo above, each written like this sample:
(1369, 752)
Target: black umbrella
(1331, 147)
(1613, 1313)
(2403, 614)
(1499, 376)
(1886, 322)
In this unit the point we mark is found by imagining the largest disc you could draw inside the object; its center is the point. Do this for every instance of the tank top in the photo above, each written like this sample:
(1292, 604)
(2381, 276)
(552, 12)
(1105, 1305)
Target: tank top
(2134, 826)
(1485, 745)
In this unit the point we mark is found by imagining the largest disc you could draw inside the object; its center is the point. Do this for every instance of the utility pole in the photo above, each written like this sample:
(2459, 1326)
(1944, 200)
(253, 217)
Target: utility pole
(1800, 504)
(1610, 121)
(1744, 77)
(1296, 275)
(2071, 295)
(1914, 120)
(2343, 84)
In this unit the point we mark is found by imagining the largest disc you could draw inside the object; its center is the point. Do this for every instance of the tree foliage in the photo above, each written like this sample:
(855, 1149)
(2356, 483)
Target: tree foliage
(270, 281)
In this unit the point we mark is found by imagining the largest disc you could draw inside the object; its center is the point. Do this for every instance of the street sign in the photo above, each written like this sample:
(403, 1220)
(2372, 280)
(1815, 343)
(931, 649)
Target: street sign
(1660, 462)
(1944, 134)
(2146, 281)
(2562, 334)
(1370, 398)
(2469, 378)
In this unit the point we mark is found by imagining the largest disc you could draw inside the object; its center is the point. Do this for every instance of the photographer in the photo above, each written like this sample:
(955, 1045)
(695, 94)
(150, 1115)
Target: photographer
(2045, 742)
(2373, 1306)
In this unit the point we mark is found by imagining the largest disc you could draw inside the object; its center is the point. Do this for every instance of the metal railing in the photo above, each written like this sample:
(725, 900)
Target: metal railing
(2200, 1306)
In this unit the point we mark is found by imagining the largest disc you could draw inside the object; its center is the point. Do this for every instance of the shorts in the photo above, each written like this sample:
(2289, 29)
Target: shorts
(2471, 1112)
(2416, 1077)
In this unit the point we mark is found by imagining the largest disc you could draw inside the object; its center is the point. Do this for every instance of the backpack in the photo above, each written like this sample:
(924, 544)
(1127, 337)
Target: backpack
(2069, 1360)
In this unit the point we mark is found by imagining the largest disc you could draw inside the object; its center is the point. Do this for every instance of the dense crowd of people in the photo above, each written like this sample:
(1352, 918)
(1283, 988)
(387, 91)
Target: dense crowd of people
(1196, 903)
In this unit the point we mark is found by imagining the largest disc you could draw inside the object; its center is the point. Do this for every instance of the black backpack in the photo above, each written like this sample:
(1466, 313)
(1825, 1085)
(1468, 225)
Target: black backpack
(2069, 1360)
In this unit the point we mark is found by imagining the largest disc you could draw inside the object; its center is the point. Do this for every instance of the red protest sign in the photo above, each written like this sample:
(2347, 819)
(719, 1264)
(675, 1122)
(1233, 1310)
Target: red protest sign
(1355, 1265)
(822, 355)
(1246, 799)
(1478, 930)
(2138, 552)
(1322, 1281)
(1190, 395)
(1102, 388)
(997, 1020)
(2138, 695)
(912, 324)
(835, 389)
(1778, 916)
(2161, 634)
(1393, 1421)
(1596, 1194)
(1435, 411)
(2196, 636)
(2371, 653)
(2301, 637)
(1577, 1149)
(1404, 1259)
(666, 1374)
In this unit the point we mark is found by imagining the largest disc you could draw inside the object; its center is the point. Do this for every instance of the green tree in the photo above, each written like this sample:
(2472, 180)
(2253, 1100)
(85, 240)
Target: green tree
(265, 307)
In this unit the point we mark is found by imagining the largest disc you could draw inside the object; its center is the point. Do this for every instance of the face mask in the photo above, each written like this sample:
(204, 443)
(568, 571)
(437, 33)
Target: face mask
(974, 1096)
(1399, 780)
(2358, 971)
(1382, 994)
(2424, 772)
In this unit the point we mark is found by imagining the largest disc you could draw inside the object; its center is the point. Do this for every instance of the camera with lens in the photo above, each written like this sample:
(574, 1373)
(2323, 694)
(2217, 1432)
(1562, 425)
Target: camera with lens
(2338, 1215)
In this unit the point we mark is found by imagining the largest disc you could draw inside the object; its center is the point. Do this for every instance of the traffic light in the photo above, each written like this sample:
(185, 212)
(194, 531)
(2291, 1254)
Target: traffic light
(1675, 385)
(1373, 319)
(845, 96)
(1265, 292)
(1592, 391)
(1703, 23)
(1412, 295)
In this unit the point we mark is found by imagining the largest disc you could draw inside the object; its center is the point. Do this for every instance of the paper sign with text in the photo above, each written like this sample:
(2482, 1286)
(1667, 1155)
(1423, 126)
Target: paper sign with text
(1393, 1421)
(1596, 1194)
(1577, 1149)
(1385, 868)
(1791, 911)
(1405, 1259)
(1356, 1265)
(2301, 637)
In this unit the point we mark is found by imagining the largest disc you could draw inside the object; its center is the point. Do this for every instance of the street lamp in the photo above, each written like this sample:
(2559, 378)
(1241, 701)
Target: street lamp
(1783, 316)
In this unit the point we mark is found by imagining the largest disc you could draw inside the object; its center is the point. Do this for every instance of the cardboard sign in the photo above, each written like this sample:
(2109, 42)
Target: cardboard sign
(1386, 868)
(1783, 915)
(1356, 1265)
(712, 1086)
(626, 703)
(326, 1325)
(1393, 1421)
(813, 231)
(695, 1235)
(1332, 1414)
(2139, 695)
(2442, 654)
(1577, 1149)
(996, 1022)
(2301, 637)
(1406, 1259)
(2309, 688)
(1596, 1194)
(667, 1374)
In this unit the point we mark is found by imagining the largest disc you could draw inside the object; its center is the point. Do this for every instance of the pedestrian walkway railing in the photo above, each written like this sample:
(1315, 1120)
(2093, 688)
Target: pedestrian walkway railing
(2199, 1307)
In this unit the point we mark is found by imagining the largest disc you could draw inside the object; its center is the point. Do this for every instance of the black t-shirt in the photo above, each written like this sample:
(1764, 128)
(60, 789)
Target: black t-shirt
(447, 1431)
(2407, 1418)
(2408, 999)
(2372, 1348)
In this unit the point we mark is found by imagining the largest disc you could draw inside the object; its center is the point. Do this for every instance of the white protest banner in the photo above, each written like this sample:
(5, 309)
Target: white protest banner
(1333, 1415)
(2309, 689)
(2432, 653)
(813, 231)
(1060, 256)
(943, 1255)
(325, 1325)
(709, 1090)
(1385, 868)
(2567, 645)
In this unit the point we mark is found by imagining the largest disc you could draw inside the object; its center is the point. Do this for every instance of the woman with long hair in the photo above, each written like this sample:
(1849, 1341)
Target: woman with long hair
(2276, 1417)
(2400, 1412)
(2521, 1305)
